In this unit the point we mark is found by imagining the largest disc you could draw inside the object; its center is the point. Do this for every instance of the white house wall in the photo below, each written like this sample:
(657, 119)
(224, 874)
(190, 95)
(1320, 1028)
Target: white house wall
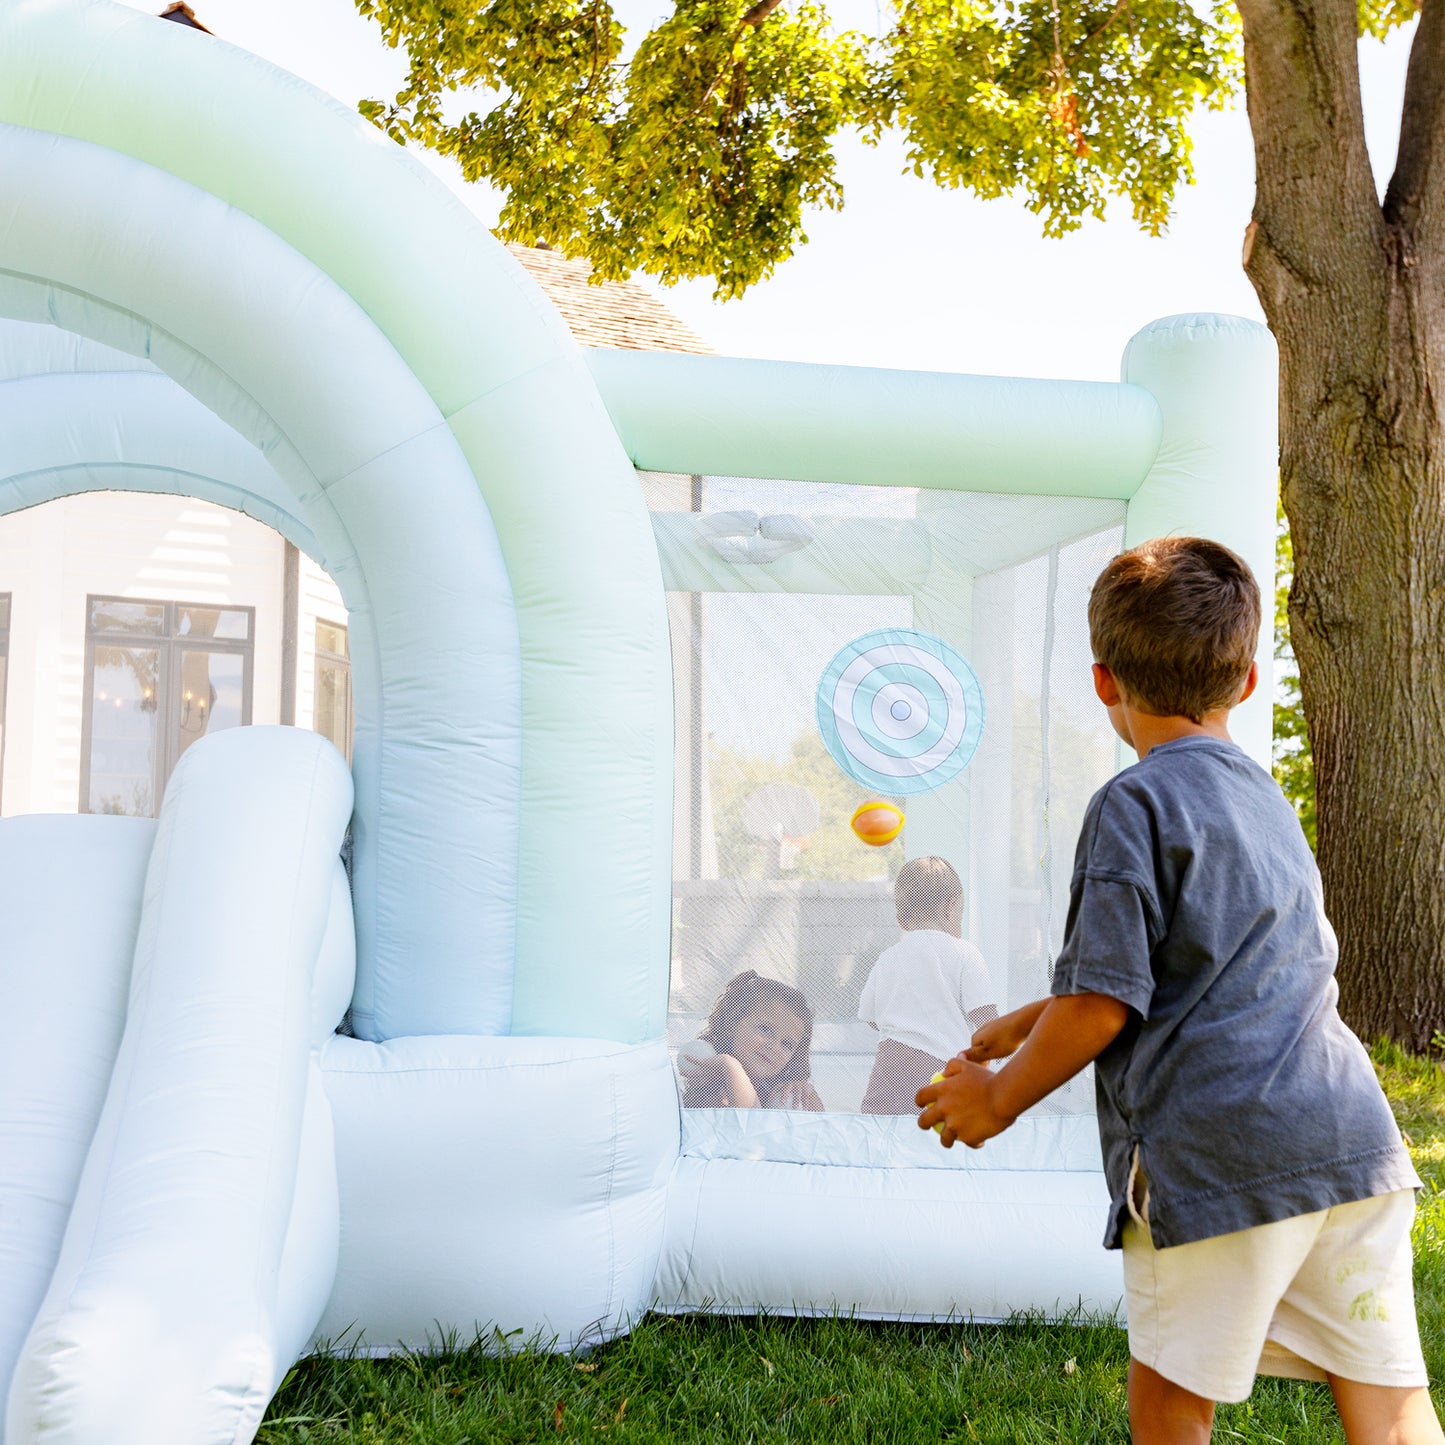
(111, 544)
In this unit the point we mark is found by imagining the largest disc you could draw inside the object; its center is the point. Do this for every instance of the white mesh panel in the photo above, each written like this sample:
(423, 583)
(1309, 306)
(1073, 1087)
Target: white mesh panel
(768, 583)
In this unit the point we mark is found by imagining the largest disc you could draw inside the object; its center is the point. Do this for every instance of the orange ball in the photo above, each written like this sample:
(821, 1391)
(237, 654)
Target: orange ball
(876, 822)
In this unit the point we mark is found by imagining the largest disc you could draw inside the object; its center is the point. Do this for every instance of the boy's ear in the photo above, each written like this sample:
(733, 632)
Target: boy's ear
(1250, 682)
(1105, 688)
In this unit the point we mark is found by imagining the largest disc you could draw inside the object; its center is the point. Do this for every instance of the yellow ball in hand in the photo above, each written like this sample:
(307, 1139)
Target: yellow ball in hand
(937, 1079)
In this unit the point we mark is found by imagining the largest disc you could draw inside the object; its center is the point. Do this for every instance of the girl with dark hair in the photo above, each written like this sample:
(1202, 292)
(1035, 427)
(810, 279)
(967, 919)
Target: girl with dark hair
(755, 1052)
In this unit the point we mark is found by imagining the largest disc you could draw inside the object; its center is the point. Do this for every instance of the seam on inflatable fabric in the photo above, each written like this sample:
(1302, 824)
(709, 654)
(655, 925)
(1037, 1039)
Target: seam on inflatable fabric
(152, 329)
(822, 1312)
(612, 1290)
(697, 1193)
(516, 376)
(88, 371)
(10, 481)
(939, 1169)
(449, 418)
(273, 1162)
(251, 1406)
(510, 1066)
(431, 429)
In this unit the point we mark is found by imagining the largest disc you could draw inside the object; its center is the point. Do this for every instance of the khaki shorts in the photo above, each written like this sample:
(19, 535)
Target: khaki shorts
(1323, 1294)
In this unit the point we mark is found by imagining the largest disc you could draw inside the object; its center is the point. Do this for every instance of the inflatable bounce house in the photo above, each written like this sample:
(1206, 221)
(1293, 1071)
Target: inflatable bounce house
(634, 637)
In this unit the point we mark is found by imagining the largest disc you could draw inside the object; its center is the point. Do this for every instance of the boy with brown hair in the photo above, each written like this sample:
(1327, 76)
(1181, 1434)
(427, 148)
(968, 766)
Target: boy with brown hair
(1260, 1190)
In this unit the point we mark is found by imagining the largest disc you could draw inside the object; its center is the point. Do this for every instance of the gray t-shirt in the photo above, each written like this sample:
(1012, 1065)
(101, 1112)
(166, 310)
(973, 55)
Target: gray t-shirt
(1196, 901)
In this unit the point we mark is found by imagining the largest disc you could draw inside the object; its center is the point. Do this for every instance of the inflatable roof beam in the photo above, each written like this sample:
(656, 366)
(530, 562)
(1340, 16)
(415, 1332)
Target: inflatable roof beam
(1188, 440)
(1216, 473)
(202, 1242)
(720, 416)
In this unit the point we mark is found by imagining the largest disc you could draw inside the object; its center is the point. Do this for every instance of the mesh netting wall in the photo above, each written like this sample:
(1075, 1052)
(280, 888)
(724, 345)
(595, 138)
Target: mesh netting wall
(868, 972)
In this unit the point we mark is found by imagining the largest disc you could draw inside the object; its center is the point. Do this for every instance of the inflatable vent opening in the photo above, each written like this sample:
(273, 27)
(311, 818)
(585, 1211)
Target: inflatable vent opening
(867, 679)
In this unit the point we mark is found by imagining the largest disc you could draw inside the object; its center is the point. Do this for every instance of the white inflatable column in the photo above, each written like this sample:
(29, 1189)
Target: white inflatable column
(70, 892)
(163, 1323)
(1216, 379)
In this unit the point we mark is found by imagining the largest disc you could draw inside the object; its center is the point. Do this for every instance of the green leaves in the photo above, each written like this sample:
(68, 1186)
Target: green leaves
(1379, 17)
(703, 151)
(1065, 103)
(697, 158)
(724, 137)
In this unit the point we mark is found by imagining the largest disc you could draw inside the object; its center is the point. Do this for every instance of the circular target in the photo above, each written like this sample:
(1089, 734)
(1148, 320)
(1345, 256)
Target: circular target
(901, 712)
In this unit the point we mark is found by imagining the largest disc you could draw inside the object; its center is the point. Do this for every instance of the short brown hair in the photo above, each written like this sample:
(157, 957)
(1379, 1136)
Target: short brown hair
(1176, 621)
(923, 890)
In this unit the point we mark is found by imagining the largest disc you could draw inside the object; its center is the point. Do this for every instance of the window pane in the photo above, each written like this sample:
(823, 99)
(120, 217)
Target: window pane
(331, 637)
(123, 731)
(333, 704)
(4, 614)
(212, 695)
(108, 614)
(224, 624)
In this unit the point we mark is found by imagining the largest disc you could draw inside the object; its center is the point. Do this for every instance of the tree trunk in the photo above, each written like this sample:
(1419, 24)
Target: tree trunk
(1355, 294)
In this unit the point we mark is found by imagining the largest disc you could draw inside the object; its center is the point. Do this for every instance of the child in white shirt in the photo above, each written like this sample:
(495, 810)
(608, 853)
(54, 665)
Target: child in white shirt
(927, 993)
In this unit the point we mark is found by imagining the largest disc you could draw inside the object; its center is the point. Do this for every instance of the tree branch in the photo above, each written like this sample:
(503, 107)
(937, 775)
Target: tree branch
(1415, 200)
(761, 11)
(1316, 216)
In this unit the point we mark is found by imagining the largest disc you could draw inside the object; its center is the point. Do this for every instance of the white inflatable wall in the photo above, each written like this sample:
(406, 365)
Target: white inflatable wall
(200, 1180)
(196, 1173)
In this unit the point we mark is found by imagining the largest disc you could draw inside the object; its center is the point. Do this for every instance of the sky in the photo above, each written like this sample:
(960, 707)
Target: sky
(907, 275)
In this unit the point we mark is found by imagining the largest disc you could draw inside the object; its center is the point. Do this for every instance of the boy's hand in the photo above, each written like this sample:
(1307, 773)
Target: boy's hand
(998, 1038)
(963, 1102)
(1059, 1037)
(994, 1040)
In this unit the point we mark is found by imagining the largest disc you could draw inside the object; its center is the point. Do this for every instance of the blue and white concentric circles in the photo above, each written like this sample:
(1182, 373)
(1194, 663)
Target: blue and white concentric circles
(900, 711)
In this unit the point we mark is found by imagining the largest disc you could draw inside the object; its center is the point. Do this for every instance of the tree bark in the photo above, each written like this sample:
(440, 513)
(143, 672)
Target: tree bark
(1355, 294)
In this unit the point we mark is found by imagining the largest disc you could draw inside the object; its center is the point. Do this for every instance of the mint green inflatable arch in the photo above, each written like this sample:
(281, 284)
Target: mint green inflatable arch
(76, 416)
(183, 201)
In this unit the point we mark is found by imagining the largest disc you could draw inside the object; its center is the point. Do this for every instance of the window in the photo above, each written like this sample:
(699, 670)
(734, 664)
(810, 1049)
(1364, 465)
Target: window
(158, 675)
(4, 669)
(331, 714)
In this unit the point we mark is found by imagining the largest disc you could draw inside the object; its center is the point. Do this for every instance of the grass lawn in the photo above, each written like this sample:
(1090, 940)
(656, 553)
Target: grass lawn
(716, 1379)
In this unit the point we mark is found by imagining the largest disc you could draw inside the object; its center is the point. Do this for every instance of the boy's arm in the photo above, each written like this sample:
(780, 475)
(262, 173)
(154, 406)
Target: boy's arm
(1069, 1032)
(999, 1037)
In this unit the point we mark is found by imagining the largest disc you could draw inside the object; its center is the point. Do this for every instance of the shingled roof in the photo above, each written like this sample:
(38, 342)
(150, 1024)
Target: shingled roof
(611, 313)
(182, 14)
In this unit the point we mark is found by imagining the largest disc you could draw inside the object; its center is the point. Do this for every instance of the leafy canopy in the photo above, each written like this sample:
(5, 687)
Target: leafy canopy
(700, 151)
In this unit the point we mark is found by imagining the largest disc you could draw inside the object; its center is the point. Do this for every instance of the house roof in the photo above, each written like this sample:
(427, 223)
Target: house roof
(182, 14)
(608, 313)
